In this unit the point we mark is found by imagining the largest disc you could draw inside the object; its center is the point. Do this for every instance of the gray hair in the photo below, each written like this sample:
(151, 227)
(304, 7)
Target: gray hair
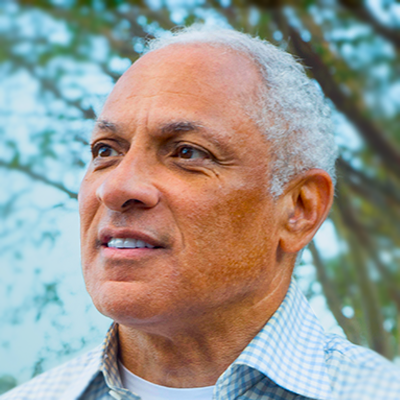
(290, 111)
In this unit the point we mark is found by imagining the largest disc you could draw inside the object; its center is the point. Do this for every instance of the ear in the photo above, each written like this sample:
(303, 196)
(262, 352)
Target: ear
(306, 203)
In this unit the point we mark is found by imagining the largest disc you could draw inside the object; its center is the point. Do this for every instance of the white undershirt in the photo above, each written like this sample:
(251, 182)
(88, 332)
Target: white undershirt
(150, 391)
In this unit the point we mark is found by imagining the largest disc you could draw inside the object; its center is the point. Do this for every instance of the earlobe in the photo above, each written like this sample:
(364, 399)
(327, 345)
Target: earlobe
(306, 204)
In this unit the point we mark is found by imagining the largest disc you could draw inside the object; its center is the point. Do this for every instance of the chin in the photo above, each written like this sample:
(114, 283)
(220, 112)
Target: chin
(128, 303)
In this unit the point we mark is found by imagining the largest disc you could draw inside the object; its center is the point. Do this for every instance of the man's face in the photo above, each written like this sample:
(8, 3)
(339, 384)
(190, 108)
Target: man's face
(178, 165)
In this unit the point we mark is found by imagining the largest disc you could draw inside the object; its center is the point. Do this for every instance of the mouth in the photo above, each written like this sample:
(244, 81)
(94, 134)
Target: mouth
(119, 248)
(128, 243)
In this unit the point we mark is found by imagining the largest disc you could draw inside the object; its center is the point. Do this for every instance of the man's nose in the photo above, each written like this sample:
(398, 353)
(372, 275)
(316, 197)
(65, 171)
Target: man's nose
(130, 184)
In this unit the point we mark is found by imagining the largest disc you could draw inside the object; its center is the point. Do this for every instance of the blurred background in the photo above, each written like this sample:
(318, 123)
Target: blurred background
(58, 61)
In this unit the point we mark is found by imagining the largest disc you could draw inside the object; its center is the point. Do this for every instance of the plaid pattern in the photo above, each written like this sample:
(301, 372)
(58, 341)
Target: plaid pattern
(290, 359)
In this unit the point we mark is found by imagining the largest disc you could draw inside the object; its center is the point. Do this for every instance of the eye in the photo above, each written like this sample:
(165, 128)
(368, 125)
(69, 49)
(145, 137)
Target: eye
(103, 150)
(190, 153)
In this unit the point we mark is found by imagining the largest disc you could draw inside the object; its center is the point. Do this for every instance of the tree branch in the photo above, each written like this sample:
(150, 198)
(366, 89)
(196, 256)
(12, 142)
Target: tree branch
(50, 86)
(349, 326)
(372, 310)
(366, 182)
(359, 9)
(28, 171)
(352, 223)
(389, 155)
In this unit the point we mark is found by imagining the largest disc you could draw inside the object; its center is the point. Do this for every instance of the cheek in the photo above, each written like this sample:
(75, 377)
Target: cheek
(230, 232)
(238, 212)
(88, 206)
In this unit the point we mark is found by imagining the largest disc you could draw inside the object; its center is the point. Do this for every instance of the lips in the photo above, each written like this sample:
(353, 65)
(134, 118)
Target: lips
(128, 239)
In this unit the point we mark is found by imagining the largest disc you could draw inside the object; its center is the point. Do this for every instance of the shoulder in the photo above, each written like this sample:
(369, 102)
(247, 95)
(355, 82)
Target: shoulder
(359, 373)
(74, 375)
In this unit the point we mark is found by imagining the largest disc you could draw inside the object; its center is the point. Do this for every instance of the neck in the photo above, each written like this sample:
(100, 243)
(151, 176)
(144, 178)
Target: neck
(196, 353)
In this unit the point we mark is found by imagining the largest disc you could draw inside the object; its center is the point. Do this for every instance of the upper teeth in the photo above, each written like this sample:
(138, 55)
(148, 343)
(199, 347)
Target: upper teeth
(128, 243)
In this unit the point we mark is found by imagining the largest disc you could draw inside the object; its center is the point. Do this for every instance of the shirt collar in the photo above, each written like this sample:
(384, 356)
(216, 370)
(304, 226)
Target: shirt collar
(109, 364)
(103, 360)
(109, 358)
(89, 372)
(289, 350)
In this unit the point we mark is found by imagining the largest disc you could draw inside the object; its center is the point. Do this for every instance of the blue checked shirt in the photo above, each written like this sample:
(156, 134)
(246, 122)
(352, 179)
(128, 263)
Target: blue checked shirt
(291, 358)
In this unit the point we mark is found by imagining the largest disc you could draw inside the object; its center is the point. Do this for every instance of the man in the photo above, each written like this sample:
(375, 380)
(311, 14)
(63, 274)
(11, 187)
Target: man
(213, 166)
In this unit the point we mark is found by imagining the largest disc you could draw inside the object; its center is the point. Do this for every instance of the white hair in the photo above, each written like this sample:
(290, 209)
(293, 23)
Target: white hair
(290, 111)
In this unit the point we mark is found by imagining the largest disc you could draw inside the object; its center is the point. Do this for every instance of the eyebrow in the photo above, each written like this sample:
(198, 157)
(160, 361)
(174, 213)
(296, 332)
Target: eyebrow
(177, 127)
(169, 128)
(180, 126)
(105, 125)
(166, 129)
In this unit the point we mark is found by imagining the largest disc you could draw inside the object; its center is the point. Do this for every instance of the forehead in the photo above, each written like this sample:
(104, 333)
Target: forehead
(213, 87)
(196, 66)
(196, 70)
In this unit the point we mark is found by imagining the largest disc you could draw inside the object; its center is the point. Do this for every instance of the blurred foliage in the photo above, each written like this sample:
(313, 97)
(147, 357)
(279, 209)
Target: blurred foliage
(68, 54)
(7, 382)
